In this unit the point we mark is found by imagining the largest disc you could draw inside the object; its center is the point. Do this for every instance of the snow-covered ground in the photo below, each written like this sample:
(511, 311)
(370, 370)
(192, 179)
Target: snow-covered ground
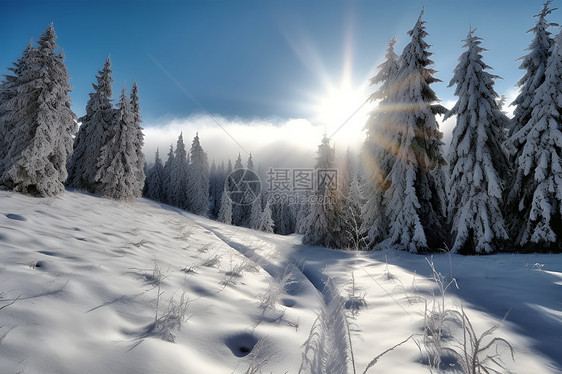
(108, 287)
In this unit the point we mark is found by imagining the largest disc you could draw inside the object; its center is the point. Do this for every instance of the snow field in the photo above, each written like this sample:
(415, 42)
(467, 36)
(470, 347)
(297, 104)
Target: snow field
(105, 286)
(83, 268)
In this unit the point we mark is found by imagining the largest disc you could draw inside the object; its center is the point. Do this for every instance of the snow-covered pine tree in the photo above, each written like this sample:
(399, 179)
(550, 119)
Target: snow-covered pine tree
(477, 162)
(154, 187)
(138, 137)
(536, 192)
(266, 223)
(534, 63)
(8, 102)
(353, 236)
(198, 183)
(283, 215)
(323, 226)
(213, 178)
(378, 150)
(118, 166)
(238, 163)
(179, 176)
(240, 213)
(255, 215)
(225, 212)
(414, 202)
(217, 180)
(167, 193)
(91, 136)
(246, 210)
(41, 122)
(303, 212)
(250, 162)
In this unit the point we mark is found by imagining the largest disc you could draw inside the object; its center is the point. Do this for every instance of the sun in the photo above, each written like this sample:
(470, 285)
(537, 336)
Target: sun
(338, 103)
(341, 108)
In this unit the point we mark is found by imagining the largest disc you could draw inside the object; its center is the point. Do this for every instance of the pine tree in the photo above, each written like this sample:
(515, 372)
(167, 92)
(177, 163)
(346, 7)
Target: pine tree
(378, 150)
(217, 188)
(323, 226)
(213, 179)
(238, 163)
(8, 102)
(92, 134)
(266, 223)
(39, 127)
(353, 236)
(414, 200)
(154, 187)
(535, 65)
(118, 174)
(138, 136)
(240, 212)
(536, 192)
(256, 215)
(225, 213)
(303, 212)
(477, 163)
(198, 183)
(250, 162)
(167, 193)
(179, 176)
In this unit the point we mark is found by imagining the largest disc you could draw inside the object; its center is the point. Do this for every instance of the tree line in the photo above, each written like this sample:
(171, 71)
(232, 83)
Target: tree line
(499, 187)
(38, 150)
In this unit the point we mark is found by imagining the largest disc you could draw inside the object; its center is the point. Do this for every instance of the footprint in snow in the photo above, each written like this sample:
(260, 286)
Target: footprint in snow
(16, 217)
(241, 344)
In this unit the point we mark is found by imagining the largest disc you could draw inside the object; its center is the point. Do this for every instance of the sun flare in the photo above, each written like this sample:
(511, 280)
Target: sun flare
(341, 108)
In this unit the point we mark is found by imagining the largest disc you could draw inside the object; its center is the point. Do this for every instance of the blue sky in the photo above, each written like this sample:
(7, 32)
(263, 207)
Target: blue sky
(256, 60)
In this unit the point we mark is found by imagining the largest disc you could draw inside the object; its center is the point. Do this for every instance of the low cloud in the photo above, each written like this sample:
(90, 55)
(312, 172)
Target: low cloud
(272, 142)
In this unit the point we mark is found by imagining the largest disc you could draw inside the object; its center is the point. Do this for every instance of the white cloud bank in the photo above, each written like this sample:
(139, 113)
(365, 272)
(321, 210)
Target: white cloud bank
(272, 142)
(290, 143)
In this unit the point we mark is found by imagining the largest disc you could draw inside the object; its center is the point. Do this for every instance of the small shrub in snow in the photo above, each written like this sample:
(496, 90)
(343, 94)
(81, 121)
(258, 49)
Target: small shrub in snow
(190, 269)
(355, 297)
(175, 313)
(276, 288)
(438, 319)
(481, 353)
(211, 261)
(476, 354)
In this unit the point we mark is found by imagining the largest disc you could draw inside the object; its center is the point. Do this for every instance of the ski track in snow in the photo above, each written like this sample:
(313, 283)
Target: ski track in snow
(325, 286)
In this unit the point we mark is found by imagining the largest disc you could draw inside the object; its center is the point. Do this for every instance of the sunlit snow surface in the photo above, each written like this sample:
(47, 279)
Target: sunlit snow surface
(83, 270)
